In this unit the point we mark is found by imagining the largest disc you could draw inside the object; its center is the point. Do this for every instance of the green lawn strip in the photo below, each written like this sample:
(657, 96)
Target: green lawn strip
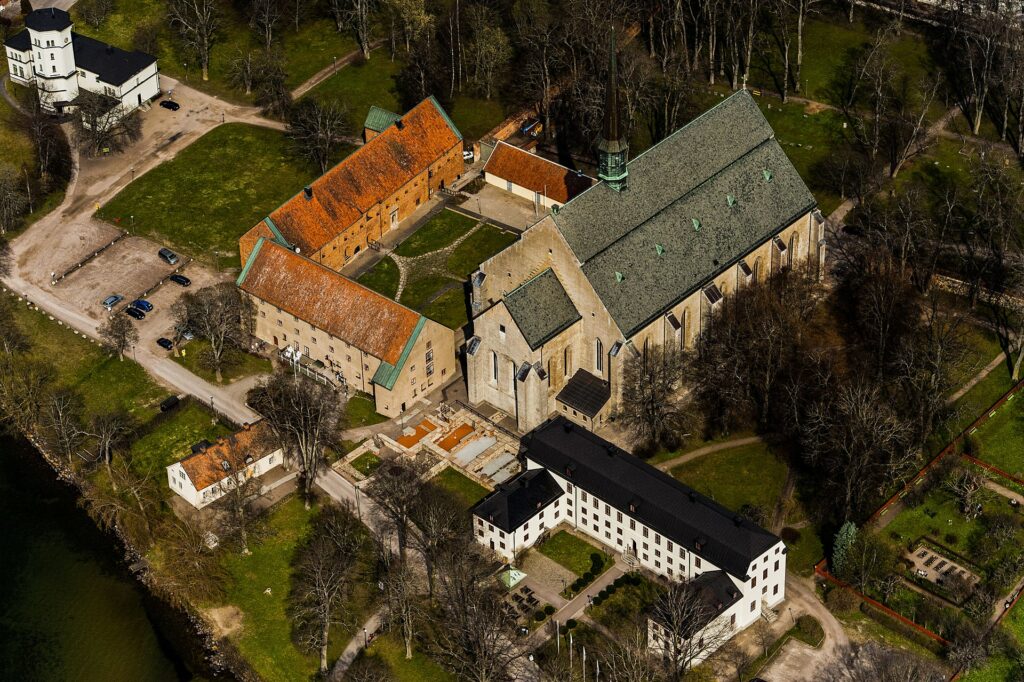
(439, 231)
(449, 309)
(696, 444)
(390, 650)
(313, 47)
(464, 489)
(970, 406)
(360, 85)
(173, 434)
(804, 551)
(475, 117)
(15, 146)
(237, 363)
(366, 463)
(749, 474)
(420, 291)
(382, 278)
(862, 627)
(104, 382)
(477, 248)
(1000, 440)
(360, 411)
(201, 201)
(573, 553)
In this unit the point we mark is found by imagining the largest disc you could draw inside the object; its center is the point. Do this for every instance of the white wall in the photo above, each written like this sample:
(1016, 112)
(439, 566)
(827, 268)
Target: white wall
(180, 483)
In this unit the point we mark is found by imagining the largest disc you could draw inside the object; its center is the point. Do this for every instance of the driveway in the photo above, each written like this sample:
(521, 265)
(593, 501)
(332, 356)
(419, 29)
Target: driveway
(798, 662)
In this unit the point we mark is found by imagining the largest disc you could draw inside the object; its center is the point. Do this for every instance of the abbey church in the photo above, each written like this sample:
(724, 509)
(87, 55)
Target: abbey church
(639, 259)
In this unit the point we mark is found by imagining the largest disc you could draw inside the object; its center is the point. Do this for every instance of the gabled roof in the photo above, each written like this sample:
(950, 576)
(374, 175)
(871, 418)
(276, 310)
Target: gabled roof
(585, 393)
(48, 19)
(541, 308)
(517, 500)
(207, 466)
(378, 119)
(330, 302)
(669, 507)
(696, 201)
(112, 64)
(536, 173)
(367, 176)
(717, 591)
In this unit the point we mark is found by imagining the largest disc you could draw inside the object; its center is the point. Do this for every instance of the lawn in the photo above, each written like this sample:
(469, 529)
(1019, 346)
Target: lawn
(104, 382)
(475, 117)
(382, 278)
(366, 463)
(477, 248)
(749, 474)
(360, 85)
(804, 549)
(419, 291)
(172, 438)
(238, 364)
(627, 604)
(201, 201)
(572, 552)
(390, 650)
(1001, 438)
(696, 444)
(439, 231)
(970, 406)
(465, 490)
(307, 51)
(360, 412)
(449, 309)
(15, 146)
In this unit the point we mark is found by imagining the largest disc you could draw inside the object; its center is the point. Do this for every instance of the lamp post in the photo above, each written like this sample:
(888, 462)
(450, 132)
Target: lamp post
(366, 641)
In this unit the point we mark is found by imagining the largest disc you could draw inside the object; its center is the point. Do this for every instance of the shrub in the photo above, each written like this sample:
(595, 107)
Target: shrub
(603, 594)
(571, 623)
(951, 538)
(810, 628)
(839, 600)
(620, 581)
(790, 535)
(539, 616)
(635, 579)
(549, 609)
(588, 578)
(597, 601)
(611, 589)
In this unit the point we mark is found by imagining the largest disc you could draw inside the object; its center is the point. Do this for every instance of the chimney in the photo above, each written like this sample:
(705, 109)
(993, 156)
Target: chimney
(399, 124)
(308, 192)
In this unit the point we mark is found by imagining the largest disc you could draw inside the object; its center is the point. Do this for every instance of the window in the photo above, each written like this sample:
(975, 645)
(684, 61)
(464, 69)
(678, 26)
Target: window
(494, 367)
(753, 581)
(632, 524)
(645, 531)
(696, 561)
(598, 356)
(618, 516)
(775, 590)
(776, 564)
(765, 574)
(583, 496)
(753, 605)
(501, 331)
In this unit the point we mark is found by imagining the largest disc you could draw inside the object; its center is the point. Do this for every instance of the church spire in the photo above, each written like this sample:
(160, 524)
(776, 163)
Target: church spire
(612, 150)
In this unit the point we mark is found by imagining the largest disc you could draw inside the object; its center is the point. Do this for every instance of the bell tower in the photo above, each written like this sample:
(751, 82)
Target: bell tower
(612, 150)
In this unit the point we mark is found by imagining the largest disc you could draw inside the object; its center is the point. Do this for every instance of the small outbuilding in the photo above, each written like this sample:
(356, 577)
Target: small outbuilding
(533, 177)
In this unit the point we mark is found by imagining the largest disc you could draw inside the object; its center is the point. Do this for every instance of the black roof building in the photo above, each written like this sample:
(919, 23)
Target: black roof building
(48, 19)
(585, 393)
(676, 511)
(19, 41)
(517, 500)
(112, 64)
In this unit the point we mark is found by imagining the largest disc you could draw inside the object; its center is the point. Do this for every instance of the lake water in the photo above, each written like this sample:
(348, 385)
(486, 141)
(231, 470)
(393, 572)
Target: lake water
(69, 610)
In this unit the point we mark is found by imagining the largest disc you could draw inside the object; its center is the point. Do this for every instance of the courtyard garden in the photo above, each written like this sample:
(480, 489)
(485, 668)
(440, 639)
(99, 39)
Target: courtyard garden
(463, 489)
(575, 554)
(360, 411)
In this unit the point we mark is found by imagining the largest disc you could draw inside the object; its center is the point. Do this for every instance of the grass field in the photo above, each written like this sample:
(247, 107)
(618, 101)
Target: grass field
(361, 85)
(172, 439)
(382, 278)
(441, 230)
(477, 248)
(201, 201)
(419, 291)
(360, 411)
(15, 146)
(465, 490)
(627, 605)
(390, 650)
(238, 364)
(1001, 438)
(449, 308)
(366, 463)
(748, 474)
(474, 116)
(307, 51)
(572, 552)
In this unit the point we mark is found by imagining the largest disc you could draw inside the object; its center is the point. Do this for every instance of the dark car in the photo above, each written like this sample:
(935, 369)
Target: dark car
(135, 312)
(165, 343)
(170, 104)
(181, 280)
(143, 305)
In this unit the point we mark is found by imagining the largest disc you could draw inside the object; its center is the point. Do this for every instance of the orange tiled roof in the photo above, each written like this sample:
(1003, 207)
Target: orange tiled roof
(204, 468)
(536, 173)
(329, 301)
(366, 177)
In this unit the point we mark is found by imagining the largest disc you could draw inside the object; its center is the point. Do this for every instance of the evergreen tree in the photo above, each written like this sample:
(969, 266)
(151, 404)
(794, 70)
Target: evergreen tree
(844, 539)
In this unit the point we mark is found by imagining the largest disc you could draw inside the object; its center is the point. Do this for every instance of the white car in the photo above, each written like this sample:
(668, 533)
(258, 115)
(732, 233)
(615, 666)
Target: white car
(467, 155)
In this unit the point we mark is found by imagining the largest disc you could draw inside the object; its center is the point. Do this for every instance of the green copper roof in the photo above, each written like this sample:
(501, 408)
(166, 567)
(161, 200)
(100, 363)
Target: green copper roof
(387, 374)
(248, 263)
(541, 308)
(378, 119)
(278, 237)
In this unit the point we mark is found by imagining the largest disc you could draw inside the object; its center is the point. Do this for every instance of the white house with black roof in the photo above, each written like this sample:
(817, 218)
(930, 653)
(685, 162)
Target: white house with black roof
(575, 477)
(60, 64)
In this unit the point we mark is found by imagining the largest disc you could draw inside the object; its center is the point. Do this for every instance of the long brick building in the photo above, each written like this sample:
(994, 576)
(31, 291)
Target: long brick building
(369, 192)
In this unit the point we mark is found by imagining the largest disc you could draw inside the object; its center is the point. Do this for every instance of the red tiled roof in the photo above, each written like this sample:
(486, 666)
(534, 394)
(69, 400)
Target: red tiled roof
(205, 468)
(536, 173)
(329, 301)
(366, 177)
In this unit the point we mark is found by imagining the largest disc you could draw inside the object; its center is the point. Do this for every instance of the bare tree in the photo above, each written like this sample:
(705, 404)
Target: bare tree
(304, 415)
(214, 313)
(396, 487)
(194, 570)
(537, 33)
(356, 15)
(95, 12)
(271, 85)
(103, 126)
(401, 603)
(764, 635)
(732, 657)
(653, 409)
(489, 52)
(965, 483)
(6, 257)
(322, 578)
(874, 662)
(689, 619)
(263, 18)
(13, 201)
(118, 334)
(437, 522)
(317, 129)
(244, 70)
(242, 488)
(63, 422)
(413, 17)
(24, 385)
(627, 656)
(198, 22)
(110, 431)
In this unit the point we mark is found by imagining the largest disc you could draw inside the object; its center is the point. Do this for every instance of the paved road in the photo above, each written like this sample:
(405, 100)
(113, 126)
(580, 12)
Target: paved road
(798, 662)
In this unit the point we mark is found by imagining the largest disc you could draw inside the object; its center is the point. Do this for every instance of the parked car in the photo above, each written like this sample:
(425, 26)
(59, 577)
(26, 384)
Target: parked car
(168, 256)
(467, 155)
(532, 127)
(135, 312)
(187, 334)
(164, 343)
(170, 104)
(110, 301)
(181, 280)
(143, 305)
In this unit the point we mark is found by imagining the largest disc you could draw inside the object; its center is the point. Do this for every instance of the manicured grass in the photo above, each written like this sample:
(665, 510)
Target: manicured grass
(360, 412)
(104, 382)
(206, 197)
(572, 552)
(970, 406)
(1001, 438)
(441, 230)
(15, 146)
(305, 52)
(420, 291)
(748, 474)
(449, 309)
(366, 463)
(939, 518)
(695, 444)
(475, 117)
(172, 439)
(804, 552)
(237, 363)
(390, 650)
(477, 248)
(465, 490)
(382, 278)
(360, 85)
(627, 605)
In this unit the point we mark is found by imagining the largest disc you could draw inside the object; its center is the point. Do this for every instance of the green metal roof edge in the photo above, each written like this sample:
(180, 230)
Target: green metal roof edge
(376, 117)
(389, 375)
(277, 233)
(248, 263)
(447, 118)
